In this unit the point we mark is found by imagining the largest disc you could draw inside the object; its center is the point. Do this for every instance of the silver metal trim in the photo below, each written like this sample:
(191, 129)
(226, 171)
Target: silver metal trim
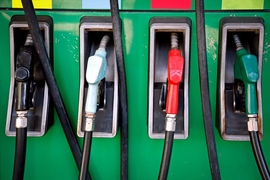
(239, 27)
(45, 110)
(168, 27)
(106, 27)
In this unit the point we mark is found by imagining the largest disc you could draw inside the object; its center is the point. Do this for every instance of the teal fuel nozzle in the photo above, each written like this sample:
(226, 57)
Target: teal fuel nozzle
(246, 69)
(95, 72)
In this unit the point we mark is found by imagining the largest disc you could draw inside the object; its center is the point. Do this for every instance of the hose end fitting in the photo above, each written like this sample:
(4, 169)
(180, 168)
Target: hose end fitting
(252, 122)
(21, 119)
(170, 122)
(89, 122)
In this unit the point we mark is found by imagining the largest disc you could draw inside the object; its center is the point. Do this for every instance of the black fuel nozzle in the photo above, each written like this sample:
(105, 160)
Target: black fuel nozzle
(24, 75)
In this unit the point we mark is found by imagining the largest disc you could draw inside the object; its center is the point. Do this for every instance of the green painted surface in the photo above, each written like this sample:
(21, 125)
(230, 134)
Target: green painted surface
(49, 157)
(70, 4)
(146, 4)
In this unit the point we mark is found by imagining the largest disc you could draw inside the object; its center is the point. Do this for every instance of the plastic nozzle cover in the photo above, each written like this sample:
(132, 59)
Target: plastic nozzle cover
(246, 69)
(96, 67)
(95, 72)
(175, 73)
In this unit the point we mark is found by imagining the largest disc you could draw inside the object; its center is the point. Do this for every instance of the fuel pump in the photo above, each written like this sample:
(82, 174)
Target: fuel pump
(23, 97)
(95, 72)
(175, 72)
(246, 74)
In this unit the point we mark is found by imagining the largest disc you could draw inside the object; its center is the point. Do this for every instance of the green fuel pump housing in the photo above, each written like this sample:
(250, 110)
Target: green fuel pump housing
(49, 156)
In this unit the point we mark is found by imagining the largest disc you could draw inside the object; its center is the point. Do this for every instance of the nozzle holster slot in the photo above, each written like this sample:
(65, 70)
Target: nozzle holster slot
(39, 113)
(232, 119)
(160, 45)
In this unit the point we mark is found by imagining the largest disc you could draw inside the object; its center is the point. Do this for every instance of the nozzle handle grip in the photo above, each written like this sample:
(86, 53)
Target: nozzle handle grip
(175, 73)
(22, 96)
(91, 99)
(172, 99)
(251, 98)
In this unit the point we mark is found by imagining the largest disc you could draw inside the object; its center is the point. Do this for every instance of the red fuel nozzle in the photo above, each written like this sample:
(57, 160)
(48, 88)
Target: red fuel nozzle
(175, 73)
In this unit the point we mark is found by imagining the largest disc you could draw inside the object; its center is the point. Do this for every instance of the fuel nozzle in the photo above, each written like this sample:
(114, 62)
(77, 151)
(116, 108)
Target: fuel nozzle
(246, 70)
(23, 78)
(95, 72)
(175, 73)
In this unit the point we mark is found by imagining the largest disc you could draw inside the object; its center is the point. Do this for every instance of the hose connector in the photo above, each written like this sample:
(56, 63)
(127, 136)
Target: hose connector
(170, 122)
(21, 119)
(252, 122)
(89, 122)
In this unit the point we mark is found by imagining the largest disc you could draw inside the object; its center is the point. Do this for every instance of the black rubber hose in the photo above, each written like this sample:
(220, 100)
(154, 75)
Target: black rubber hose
(20, 153)
(54, 91)
(86, 154)
(258, 154)
(204, 86)
(166, 157)
(117, 36)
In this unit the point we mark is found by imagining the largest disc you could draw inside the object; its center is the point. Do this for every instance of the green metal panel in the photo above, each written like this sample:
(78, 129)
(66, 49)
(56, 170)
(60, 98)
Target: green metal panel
(126, 4)
(49, 157)
(70, 4)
